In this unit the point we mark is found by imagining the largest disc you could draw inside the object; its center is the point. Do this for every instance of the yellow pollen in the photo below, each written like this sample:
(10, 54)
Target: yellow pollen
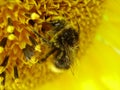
(1, 49)
(34, 16)
(1, 78)
(38, 48)
(1, 69)
(17, 81)
(33, 60)
(10, 29)
(11, 37)
(1, 87)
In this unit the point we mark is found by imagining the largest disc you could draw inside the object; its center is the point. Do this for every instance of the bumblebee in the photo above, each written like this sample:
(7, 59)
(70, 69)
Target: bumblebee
(63, 43)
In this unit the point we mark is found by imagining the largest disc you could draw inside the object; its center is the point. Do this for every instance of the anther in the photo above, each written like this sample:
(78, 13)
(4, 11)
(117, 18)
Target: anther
(10, 29)
(31, 22)
(4, 63)
(10, 21)
(28, 51)
(3, 42)
(15, 72)
(38, 48)
(11, 37)
(34, 16)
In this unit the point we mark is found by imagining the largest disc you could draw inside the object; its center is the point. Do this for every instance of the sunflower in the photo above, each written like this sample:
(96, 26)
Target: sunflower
(39, 39)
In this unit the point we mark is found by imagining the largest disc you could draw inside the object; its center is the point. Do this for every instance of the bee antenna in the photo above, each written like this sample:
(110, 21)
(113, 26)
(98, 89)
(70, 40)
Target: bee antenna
(78, 25)
(38, 34)
(72, 71)
(44, 40)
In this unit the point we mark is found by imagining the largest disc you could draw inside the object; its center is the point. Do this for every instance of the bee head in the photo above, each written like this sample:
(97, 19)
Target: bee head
(57, 24)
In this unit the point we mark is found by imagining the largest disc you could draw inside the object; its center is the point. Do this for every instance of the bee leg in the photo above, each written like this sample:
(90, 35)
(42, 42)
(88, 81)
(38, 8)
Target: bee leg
(16, 72)
(2, 83)
(47, 55)
(43, 39)
(39, 35)
(32, 41)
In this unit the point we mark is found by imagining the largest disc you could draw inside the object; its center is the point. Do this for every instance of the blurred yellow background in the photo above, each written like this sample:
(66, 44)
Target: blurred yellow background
(99, 69)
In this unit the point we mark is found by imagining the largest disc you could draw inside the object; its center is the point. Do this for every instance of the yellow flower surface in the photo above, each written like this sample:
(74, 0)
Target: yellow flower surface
(32, 43)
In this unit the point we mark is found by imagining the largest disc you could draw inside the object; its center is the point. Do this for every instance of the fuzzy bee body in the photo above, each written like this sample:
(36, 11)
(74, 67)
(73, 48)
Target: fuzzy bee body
(64, 38)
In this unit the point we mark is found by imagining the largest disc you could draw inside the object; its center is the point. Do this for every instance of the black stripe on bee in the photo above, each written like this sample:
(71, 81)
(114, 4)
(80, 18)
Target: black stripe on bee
(3, 42)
